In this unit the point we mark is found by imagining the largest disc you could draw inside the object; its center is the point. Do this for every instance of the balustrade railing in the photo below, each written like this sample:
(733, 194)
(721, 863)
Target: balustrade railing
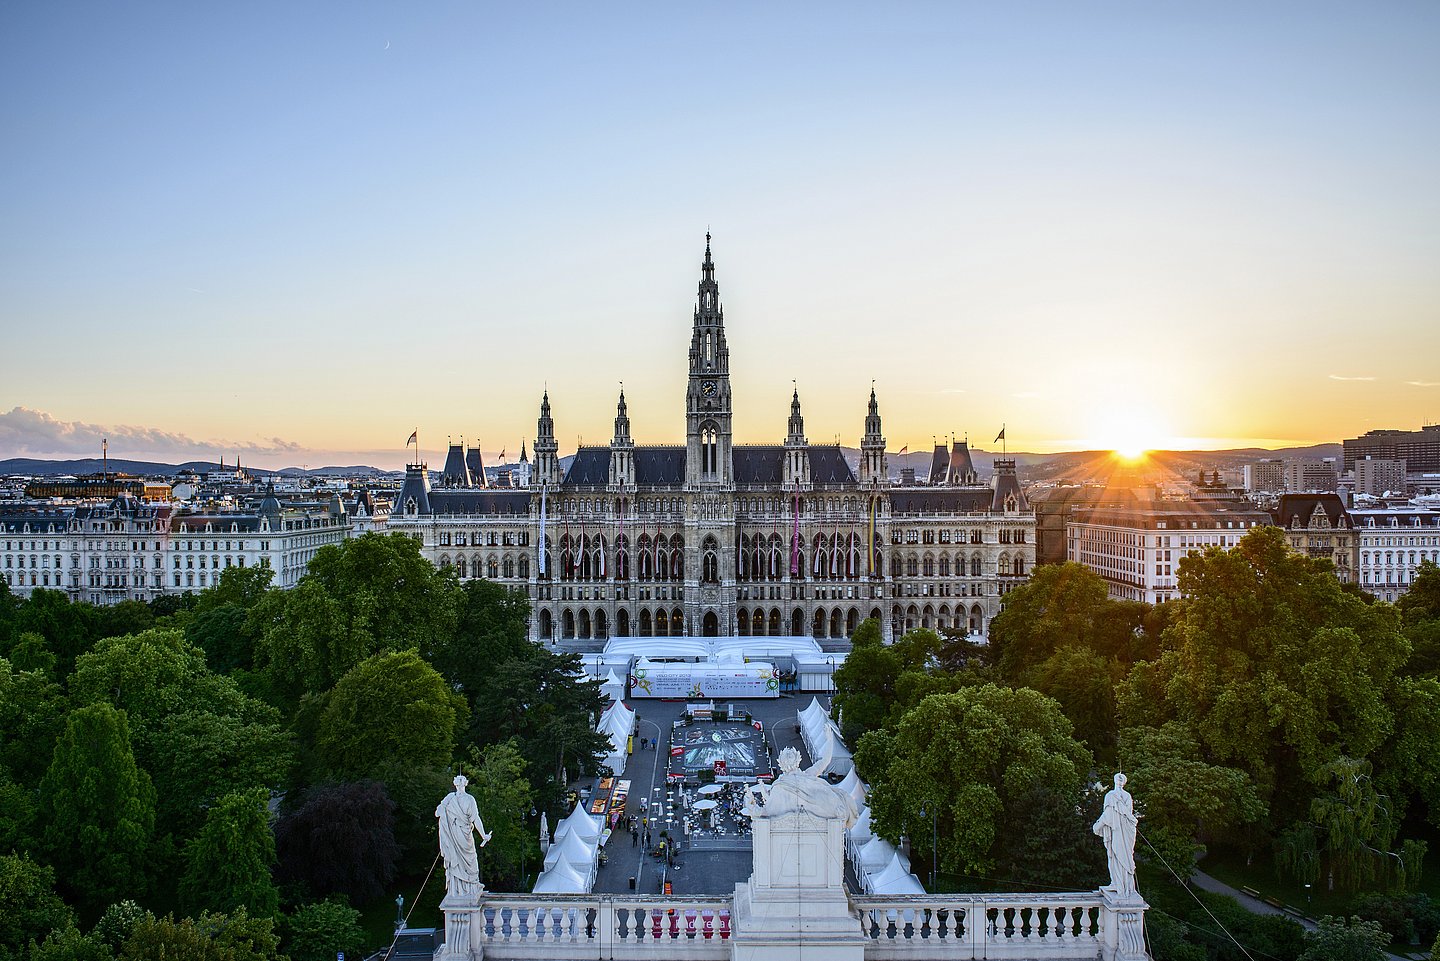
(603, 926)
(984, 926)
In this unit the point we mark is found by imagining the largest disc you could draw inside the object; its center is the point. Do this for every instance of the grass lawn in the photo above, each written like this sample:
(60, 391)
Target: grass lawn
(1230, 867)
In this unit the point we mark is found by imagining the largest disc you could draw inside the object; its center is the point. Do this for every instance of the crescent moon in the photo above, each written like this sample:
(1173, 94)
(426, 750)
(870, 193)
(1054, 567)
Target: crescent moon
(387, 44)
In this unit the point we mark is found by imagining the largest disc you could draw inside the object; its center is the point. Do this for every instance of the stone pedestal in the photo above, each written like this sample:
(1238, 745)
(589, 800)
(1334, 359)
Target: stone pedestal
(462, 943)
(1122, 935)
(795, 899)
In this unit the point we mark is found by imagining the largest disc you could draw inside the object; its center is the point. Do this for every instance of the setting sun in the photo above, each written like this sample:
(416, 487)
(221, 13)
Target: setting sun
(1132, 436)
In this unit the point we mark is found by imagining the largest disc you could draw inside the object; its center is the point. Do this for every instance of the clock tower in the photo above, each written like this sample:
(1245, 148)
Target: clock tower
(707, 394)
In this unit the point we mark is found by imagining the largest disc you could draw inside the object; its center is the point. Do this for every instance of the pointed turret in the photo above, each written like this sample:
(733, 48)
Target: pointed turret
(962, 468)
(456, 472)
(622, 449)
(874, 468)
(797, 448)
(939, 465)
(1006, 496)
(476, 463)
(415, 492)
(547, 461)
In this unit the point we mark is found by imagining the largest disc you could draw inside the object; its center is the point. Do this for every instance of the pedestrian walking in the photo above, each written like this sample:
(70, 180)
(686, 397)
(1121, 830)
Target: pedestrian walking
(634, 838)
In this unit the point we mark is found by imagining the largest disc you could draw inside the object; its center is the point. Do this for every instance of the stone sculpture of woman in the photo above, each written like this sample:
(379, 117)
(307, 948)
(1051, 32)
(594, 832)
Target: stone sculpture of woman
(1117, 826)
(459, 822)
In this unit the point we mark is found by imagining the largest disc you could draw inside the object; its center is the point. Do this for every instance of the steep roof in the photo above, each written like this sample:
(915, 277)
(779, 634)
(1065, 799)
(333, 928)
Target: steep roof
(1297, 509)
(928, 500)
(480, 501)
(764, 465)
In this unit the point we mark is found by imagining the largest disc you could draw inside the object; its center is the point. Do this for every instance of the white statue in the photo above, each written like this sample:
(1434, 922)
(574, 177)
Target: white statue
(801, 791)
(1117, 827)
(459, 821)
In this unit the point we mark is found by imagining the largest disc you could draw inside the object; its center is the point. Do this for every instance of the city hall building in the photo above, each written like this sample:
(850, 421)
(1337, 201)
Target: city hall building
(714, 538)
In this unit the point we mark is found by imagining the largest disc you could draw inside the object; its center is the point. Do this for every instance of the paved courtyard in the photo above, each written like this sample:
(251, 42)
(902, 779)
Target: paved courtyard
(709, 862)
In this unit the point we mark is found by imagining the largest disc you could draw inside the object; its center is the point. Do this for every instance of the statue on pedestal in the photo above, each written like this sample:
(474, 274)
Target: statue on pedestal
(459, 822)
(801, 791)
(1117, 827)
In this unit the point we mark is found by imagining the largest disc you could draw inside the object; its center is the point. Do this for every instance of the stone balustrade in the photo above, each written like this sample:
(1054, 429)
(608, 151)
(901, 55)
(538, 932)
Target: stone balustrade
(600, 926)
(1058, 926)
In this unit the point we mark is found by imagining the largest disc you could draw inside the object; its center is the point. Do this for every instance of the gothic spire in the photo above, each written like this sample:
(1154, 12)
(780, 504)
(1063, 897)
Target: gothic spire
(622, 422)
(797, 422)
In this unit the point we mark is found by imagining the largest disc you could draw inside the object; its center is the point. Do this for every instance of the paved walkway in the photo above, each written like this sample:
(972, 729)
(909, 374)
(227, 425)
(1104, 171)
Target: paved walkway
(1256, 906)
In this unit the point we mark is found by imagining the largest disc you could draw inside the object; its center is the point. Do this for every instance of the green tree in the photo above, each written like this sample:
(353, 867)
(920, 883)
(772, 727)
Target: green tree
(244, 587)
(68, 944)
(69, 629)
(1334, 940)
(391, 711)
(32, 653)
(1066, 605)
(229, 863)
(1181, 796)
(541, 701)
(969, 757)
(1273, 668)
(1083, 682)
(865, 683)
(211, 937)
(369, 594)
(119, 920)
(28, 904)
(98, 808)
(1350, 835)
(32, 711)
(503, 795)
(340, 839)
(320, 931)
(195, 731)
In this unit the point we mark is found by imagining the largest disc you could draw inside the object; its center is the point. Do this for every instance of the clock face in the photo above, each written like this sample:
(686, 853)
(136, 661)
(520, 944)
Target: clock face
(709, 388)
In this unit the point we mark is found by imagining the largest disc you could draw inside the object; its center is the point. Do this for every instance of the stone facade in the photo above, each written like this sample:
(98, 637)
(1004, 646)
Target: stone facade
(717, 538)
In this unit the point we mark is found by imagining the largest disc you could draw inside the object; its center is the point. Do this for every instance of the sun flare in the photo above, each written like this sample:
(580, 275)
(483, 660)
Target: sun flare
(1132, 436)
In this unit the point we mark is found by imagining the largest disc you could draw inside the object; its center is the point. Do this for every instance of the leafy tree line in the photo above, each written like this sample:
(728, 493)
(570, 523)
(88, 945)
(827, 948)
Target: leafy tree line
(233, 774)
(1272, 711)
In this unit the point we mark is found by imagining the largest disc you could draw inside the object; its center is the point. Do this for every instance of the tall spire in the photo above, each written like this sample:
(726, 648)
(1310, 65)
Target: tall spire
(874, 468)
(622, 422)
(547, 461)
(797, 421)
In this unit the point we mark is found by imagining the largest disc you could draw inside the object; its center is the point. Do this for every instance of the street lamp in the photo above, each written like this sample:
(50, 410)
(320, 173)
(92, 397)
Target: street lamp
(934, 845)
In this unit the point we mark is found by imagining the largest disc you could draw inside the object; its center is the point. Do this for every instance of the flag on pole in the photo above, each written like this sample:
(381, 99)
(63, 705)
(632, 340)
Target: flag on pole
(414, 438)
(1000, 436)
(904, 450)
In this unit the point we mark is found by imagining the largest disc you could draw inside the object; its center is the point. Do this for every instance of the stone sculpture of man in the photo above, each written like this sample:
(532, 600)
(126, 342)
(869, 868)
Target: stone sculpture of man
(1117, 826)
(800, 791)
(459, 822)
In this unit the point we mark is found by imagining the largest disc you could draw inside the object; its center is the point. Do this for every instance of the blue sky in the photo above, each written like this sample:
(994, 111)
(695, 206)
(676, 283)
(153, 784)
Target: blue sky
(302, 232)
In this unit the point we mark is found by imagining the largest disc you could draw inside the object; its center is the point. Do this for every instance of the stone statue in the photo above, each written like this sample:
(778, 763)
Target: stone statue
(1116, 827)
(797, 791)
(459, 818)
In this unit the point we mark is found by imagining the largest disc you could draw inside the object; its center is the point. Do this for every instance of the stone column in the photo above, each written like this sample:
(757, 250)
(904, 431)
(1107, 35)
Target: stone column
(1123, 928)
(462, 939)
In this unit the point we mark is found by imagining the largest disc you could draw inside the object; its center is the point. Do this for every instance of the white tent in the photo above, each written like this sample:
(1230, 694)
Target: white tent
(616, 724)
(579, 823)
(575, 851)
(612, 687)
(561, 879)
(894, 878)
(853, 786)
(860, 834)
(871, 857)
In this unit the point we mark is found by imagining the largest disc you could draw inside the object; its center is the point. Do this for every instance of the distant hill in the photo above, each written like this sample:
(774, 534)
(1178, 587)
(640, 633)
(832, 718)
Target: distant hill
(35, 467)
(1075, 465)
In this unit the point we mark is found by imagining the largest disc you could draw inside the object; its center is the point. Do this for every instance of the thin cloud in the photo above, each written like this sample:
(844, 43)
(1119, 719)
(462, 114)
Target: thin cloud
(25, 432)
(1423, 383)
(1027, 395)
(1343, 377)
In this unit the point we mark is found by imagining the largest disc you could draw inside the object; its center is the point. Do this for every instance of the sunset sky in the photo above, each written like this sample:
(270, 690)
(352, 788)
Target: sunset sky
(300, 231)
